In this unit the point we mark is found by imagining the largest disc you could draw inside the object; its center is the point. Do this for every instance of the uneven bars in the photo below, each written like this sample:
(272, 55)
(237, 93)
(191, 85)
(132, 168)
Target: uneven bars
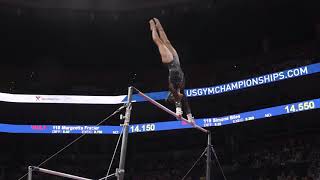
(169, 111)
(47, 171)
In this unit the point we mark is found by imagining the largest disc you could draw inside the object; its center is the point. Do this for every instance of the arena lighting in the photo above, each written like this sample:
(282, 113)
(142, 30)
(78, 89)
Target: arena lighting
(205, 91)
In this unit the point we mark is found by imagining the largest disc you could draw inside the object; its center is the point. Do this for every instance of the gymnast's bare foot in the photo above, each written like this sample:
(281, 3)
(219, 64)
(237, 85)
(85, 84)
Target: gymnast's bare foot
(152, 24)
(158, 24)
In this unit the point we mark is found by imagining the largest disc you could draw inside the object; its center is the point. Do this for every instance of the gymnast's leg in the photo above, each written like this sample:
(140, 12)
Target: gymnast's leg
(166, 55)
(164, 37)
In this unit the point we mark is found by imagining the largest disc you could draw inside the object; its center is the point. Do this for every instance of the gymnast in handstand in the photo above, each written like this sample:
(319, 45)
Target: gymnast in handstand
(170, 58)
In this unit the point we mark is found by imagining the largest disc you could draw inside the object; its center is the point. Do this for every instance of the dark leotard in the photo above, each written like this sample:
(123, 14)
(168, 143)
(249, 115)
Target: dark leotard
(176, 78)
(176, 75)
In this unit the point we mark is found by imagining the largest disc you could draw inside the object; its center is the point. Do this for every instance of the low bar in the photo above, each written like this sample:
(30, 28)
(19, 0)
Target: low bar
(169, 111)
(55, 173)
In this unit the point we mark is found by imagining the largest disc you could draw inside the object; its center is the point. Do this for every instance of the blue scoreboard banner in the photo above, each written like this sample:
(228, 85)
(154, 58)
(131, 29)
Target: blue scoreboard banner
(162, 126)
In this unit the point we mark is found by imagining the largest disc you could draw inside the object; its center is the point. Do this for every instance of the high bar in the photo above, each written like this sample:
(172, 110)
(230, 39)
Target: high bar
(169, 111)
(47, 171)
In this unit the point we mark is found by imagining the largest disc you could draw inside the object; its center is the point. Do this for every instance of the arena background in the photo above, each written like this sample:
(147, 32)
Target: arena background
(101, 48)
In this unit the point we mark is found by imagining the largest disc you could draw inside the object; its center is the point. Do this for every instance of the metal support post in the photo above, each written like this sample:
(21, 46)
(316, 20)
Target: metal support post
(30, 173)
(208, 172)
(120, 171)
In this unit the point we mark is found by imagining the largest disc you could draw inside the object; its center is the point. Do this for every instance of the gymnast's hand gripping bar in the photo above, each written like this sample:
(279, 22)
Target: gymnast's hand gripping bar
(169, 111)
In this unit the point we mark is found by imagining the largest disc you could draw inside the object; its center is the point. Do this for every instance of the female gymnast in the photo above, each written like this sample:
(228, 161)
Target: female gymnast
(170, 58)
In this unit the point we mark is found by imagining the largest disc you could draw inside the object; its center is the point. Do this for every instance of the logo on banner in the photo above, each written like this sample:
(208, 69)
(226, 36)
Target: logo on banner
(41, 98)
(38, 98)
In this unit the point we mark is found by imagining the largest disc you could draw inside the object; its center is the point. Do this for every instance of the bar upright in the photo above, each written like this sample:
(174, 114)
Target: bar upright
(208, 172)
(30, 173)
(120, 171)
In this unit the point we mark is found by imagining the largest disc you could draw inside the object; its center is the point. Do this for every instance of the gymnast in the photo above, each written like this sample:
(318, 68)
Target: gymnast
(170, 58)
